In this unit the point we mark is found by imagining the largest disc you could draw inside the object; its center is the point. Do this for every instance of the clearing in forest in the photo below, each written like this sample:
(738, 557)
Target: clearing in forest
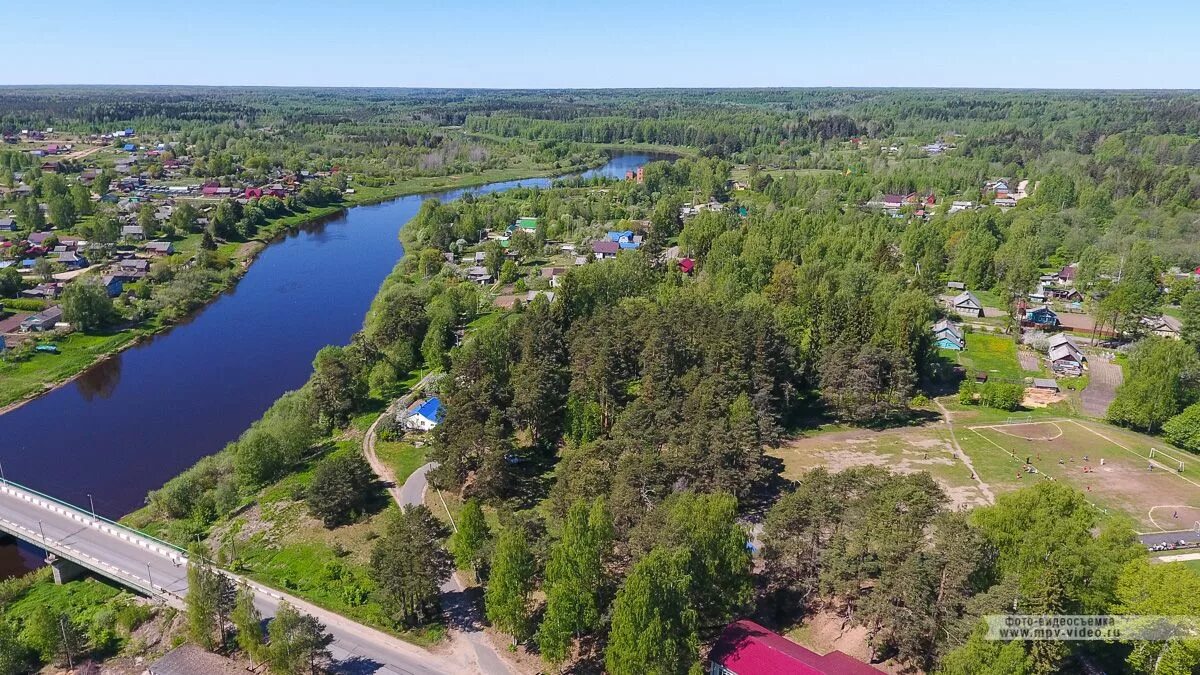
(1116, 469)
(904, 450)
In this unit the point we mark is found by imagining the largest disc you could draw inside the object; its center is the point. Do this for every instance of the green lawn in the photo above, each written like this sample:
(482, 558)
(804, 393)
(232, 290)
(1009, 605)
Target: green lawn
(403, 458)
(21, 379)
(992, 354)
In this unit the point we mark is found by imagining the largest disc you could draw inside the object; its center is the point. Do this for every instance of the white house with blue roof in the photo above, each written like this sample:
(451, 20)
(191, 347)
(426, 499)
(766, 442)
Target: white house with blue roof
(423, 415)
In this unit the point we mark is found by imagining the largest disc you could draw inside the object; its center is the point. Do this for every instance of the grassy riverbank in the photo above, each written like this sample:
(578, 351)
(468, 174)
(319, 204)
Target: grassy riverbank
(23, 380)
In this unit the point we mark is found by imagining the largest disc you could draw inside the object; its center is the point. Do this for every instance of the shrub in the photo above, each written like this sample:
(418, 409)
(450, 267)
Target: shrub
(25, 304)
(1183, 429)
(1002, 395)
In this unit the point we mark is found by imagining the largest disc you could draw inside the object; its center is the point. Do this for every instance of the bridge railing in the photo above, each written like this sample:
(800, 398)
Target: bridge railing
(94, 520)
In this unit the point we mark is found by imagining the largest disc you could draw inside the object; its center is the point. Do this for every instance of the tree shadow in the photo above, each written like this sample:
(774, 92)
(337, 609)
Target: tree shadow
(356, 665)
(462, 609)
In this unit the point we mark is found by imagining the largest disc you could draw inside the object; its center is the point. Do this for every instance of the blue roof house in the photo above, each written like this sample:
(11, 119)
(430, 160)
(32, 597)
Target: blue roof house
(948, 336)
(1042, 317)
(424, 415)
(621, 235)
(130, 147)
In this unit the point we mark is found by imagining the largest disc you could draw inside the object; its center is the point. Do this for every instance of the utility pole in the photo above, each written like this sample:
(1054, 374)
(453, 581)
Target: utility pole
(93, 504)
(43, 531)
(66, 642)
(150, 576)
(2, 478)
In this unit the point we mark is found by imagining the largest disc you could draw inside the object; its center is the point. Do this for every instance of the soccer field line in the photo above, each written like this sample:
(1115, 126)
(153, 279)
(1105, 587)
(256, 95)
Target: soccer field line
(1047, 476)
(999, 427)
(1168, 469)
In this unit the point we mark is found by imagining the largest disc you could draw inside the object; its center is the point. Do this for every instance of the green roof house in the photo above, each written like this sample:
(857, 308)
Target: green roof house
(527, 224)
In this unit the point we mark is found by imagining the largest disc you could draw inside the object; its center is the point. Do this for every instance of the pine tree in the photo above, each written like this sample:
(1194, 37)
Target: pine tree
(409, 565)
(653, 623)
(510, 584)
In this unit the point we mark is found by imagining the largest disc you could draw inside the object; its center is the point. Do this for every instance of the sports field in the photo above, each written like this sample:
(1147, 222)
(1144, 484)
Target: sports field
(1115, 469)
(904, 450)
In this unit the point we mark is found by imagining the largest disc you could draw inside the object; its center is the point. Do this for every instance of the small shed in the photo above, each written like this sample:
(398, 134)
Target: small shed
(1045, 384)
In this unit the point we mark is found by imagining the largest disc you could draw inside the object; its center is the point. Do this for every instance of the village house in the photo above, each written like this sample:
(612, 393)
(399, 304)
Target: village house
(1042, 317)
(947, 335)
(159, 248)
(511, 300)
(423, 415)
(133, 232)
(554, 274)
(42, 321)
(1067, 274)
(625, 239)
(1163, 326)
(955, 207)
(605, 249)
(43, 291)
(131, 269)
(112, 285)
(746, 648)
(8, 225)
(526, 224)
(966, 304)
(1065, 356)
(38, 238)
(956, 286)
(71, 259)
(479, 275)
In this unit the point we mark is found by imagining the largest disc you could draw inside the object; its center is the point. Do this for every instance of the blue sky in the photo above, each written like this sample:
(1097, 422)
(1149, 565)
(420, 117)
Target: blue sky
(541, 43)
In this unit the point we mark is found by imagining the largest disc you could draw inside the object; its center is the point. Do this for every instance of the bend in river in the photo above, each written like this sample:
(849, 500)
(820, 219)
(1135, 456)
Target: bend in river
(134, 421)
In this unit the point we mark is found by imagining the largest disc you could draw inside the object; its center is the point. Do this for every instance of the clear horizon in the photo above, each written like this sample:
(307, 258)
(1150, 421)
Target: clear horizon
(539, 44)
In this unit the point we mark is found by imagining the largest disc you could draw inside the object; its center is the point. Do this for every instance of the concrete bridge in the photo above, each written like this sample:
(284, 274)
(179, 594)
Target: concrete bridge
(76, 540)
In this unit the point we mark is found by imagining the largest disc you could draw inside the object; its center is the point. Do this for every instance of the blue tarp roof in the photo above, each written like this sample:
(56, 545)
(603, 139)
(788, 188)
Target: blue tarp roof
(431, 409)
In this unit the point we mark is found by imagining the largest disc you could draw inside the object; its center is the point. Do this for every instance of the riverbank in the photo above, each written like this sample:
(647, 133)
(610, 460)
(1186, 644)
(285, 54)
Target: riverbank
(43, 373)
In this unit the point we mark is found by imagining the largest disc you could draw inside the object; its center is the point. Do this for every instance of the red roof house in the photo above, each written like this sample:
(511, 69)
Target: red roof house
(931, 199)
(686, 265)
(253, 193)
(746, 648)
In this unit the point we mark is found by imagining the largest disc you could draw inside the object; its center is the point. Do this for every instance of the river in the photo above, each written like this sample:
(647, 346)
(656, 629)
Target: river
(132, 422)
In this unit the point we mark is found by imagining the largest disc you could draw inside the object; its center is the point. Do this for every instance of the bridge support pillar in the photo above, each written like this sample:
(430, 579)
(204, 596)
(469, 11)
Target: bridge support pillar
(64, 570)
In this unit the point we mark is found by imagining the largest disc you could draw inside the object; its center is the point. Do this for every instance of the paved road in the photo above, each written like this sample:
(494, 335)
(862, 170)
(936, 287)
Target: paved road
(460, 604)
(1152, 538)
(142, 563)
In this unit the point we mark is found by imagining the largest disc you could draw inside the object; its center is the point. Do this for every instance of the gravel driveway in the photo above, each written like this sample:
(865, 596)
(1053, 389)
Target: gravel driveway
(1103, 379)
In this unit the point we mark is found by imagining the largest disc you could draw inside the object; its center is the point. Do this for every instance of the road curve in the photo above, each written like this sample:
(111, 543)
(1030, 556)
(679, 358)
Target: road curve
(459, 603)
